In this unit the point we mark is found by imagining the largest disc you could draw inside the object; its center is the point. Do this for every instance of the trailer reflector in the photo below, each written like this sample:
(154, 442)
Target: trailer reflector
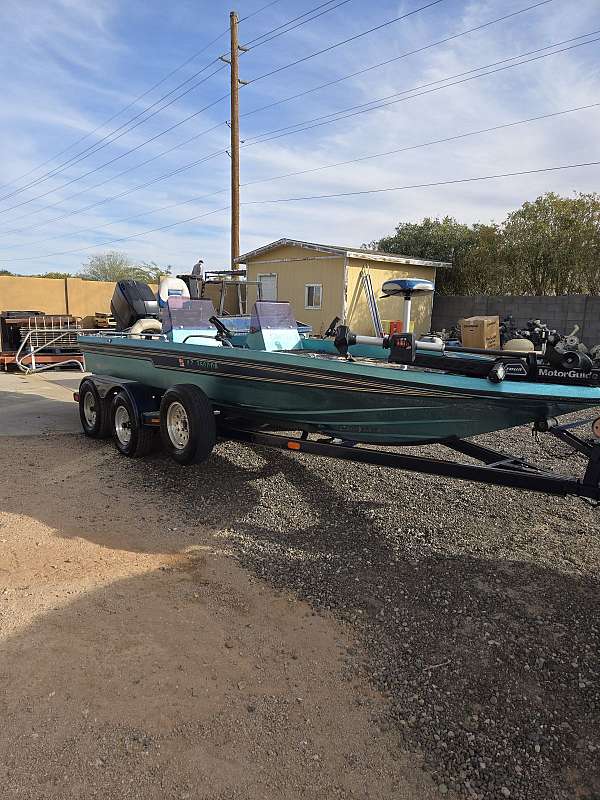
(293, 445)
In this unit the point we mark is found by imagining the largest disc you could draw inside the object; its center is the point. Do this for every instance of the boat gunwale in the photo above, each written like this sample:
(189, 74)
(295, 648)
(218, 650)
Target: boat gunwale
(458, 386)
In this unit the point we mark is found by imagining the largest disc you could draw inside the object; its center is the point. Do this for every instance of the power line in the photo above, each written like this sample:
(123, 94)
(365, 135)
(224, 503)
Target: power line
(108, 180)
(132, 236)
(113, 160)
(105, 141)
(345, 41)
(339, 115)
(357, 110)
(127, 171)
(319, 168)
(139, 97)
(151, 182)
(89, 152)
(395, 58)
(258, 140)
(449, 182)
(258, 11)
(86, 154)
(125, 108)
(260, 40)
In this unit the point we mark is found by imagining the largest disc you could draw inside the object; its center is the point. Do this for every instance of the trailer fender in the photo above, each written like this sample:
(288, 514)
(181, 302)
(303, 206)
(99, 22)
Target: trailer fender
(145, 399)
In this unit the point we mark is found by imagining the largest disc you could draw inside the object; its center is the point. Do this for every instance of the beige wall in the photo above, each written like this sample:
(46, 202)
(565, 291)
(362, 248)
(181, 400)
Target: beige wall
(315, 267)
(32, 294)
(391, 308)
(57, 296)
(292, 277)
(86, 298)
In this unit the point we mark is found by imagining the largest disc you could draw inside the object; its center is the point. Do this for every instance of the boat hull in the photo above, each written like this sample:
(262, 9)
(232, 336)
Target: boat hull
(360, 402)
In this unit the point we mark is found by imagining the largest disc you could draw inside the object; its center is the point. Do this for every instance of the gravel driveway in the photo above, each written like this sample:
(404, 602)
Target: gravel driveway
(474, 608)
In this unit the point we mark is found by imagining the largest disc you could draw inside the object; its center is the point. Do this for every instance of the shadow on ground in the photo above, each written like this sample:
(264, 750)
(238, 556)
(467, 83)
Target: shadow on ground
(478, 608)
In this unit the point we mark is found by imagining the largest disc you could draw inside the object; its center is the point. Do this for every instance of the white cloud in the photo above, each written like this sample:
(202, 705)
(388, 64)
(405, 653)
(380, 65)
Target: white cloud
(78, 61)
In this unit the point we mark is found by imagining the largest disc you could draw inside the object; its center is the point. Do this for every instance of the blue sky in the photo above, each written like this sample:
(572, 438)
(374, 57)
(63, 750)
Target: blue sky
(69, 65)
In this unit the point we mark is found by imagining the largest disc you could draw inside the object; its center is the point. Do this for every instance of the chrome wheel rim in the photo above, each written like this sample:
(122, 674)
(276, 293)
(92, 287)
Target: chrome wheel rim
(178, 425)
(122, 425)
(89, 409)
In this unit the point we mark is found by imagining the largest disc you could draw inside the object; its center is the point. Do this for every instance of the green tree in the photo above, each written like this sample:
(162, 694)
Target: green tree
(154, 271)
(548, 246)
(6, 272)
(553, 245)
(436, 240)
(115, 266)
(55, 275)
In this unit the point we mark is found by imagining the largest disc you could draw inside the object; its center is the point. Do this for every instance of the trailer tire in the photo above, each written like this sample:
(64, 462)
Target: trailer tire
(94, 412)
(131, 438)
(187, 424)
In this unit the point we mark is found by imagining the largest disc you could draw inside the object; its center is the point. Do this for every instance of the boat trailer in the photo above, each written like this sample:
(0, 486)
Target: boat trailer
(143, 416)
(495, 467)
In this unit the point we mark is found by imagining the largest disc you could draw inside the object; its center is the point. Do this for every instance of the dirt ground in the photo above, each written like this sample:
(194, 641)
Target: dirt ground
(277, 625)
(137, 660)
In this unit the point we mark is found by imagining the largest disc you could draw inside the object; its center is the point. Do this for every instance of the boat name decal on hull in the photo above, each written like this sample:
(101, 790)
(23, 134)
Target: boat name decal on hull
(186, 362)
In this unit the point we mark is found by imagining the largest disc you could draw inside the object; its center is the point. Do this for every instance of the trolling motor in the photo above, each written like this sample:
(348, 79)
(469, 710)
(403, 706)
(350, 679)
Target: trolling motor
(552, 358)
(554, 366)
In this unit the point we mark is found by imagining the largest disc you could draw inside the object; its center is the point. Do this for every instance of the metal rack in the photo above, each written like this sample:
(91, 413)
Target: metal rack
(41, 332)
(55, 338)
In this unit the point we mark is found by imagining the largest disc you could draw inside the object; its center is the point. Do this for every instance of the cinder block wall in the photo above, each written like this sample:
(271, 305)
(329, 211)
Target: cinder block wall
(562, 313)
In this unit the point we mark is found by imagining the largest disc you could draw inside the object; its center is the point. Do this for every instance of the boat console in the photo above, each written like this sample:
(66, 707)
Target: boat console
(190, 322)
(273, 327)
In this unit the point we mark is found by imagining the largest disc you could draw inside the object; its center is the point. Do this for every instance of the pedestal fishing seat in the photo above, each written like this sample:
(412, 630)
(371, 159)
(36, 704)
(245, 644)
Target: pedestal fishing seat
(407, 288)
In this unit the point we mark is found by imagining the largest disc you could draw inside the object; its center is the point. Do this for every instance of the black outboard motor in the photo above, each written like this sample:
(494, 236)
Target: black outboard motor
(131, 301)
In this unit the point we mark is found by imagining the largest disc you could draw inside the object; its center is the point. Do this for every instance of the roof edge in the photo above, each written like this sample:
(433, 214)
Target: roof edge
(349, 252)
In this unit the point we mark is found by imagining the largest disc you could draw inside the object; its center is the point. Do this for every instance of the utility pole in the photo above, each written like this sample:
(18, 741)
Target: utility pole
(233, 61)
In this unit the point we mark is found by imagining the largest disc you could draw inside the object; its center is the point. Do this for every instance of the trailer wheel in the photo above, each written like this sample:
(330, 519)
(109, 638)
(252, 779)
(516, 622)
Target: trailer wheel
(93, 411)
(131, 438)
(187, 424)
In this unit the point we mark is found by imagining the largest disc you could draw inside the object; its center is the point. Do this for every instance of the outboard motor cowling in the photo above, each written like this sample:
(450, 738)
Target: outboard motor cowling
(171, 287)
(132, 301)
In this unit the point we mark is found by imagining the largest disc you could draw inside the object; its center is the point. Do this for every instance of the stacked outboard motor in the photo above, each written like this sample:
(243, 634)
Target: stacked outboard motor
(135, 307)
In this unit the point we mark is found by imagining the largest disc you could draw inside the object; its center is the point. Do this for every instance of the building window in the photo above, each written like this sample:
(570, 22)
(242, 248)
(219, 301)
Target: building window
(312, 295)
(268, 285)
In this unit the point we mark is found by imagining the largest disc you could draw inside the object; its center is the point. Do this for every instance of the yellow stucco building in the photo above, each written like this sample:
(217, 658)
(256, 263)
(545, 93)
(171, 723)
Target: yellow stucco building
(324, 281)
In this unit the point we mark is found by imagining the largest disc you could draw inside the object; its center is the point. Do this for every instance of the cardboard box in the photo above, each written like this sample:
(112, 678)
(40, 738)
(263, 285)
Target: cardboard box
(480, 332)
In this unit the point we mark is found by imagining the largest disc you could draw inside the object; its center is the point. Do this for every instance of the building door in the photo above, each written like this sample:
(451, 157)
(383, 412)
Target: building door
(268, 285)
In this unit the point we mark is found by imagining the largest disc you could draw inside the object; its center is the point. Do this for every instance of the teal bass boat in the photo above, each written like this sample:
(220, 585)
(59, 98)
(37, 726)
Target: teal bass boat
(191, 368)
